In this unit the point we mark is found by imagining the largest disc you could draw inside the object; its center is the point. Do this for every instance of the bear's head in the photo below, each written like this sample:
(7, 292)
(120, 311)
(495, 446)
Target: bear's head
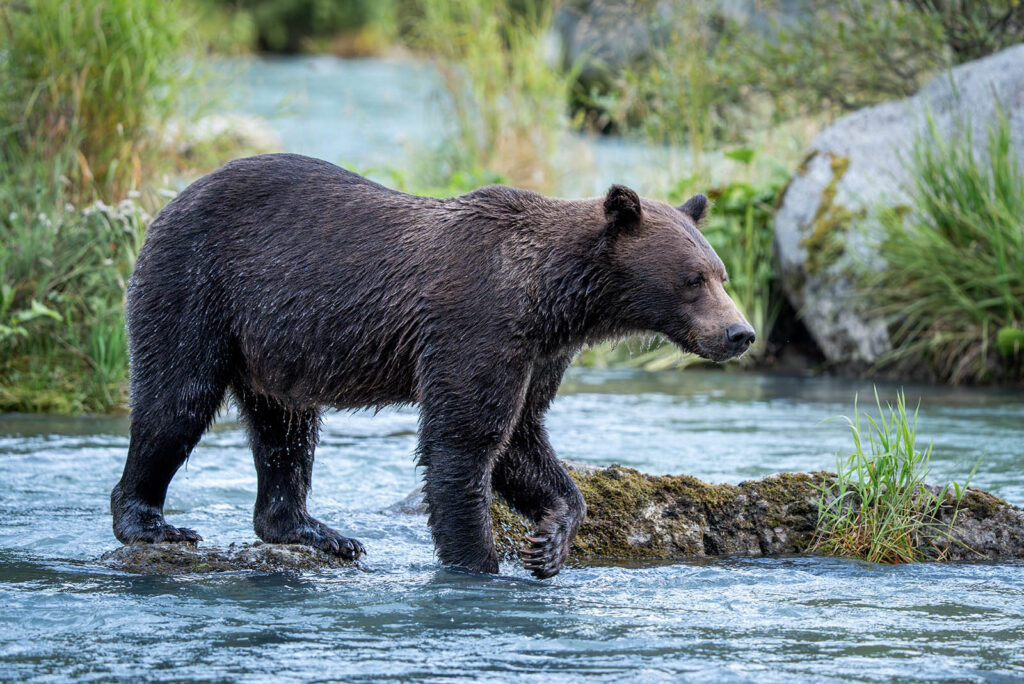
(668, 279)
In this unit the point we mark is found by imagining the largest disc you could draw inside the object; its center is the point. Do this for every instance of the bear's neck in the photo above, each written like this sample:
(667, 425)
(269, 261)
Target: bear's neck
(579, 301)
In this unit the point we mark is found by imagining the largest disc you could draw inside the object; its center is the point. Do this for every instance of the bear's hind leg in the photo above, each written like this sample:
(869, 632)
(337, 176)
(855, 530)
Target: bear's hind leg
(283, 442)
(165, 427)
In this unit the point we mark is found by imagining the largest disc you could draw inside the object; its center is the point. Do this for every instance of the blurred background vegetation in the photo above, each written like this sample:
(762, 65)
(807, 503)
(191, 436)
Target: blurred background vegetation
(109, 106)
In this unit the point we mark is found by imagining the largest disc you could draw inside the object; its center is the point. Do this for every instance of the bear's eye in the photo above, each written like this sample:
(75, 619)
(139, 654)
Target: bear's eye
(695, 281)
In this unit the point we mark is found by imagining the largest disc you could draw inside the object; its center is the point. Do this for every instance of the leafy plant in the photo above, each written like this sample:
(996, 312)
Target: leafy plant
(879, 508)
(955, 276)
(62, 281)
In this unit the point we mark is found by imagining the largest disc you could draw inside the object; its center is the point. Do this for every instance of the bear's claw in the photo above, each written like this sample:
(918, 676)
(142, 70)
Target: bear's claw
(165, 533)
(349, 549)
(312, 532)
(547, 549)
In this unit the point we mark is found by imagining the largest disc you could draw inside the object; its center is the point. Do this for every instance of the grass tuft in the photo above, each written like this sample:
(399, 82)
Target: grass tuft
(954, 287)
(879, 508)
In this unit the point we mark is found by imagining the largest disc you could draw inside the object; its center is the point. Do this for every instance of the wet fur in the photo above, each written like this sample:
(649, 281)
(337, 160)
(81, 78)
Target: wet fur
(295, 285)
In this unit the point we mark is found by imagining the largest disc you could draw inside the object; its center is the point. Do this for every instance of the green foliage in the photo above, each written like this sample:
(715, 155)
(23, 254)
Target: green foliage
(62, 279)
(878, 508)
(956, 259)
(85, 88)
(853, 53)
(684, 91)
(298, 25)
(847, 54)
(507, 103)
(975, 28)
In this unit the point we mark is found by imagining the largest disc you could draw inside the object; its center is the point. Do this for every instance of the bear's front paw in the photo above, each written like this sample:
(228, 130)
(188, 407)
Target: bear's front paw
(311, 532)
(548, 547)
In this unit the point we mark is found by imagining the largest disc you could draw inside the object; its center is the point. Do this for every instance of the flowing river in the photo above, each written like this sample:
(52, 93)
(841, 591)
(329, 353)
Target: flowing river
(400, 616)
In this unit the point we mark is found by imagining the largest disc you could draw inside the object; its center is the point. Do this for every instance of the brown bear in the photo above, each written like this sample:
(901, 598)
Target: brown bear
(297, 285)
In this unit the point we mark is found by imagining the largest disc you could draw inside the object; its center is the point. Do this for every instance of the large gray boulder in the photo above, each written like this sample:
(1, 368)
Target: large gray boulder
(824, 232)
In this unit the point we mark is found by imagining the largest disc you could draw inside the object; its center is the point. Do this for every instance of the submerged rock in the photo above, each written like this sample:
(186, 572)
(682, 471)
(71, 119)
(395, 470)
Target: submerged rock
(857, 165)
(187, 559)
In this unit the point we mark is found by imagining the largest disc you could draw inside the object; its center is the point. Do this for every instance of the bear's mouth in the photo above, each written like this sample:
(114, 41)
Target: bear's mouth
(713, 350)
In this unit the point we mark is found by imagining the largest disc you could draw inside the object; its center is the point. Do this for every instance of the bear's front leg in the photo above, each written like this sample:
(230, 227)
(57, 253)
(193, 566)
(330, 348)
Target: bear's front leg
(457, 486)
(531, 478)
(467, 416)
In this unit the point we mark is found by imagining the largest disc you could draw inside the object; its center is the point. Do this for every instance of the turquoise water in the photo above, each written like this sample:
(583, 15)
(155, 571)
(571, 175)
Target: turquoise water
(400, 616)
(376, 116)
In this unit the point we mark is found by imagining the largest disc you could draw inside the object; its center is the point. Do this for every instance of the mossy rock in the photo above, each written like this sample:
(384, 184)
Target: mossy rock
(634, 516)
(188, 559)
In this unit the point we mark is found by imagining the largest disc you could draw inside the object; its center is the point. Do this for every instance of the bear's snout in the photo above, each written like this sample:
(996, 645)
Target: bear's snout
(738, 338)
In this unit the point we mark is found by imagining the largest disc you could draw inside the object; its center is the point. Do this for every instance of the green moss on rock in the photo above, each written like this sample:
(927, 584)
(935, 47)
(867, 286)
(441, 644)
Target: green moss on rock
(826, 241)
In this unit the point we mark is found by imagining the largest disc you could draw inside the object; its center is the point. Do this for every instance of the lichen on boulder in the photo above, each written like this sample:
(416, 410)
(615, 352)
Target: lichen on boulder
(631, 515)
(826, 228)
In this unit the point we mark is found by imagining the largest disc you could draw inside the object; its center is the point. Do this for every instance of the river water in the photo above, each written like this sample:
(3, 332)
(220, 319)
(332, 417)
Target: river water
(400, 616)
(376, 116)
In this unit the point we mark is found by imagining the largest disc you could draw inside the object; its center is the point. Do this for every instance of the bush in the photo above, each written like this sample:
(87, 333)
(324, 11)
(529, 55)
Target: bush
(85, 88)
(62, 284)
(954, 287)
(847, 54)
(853, 53)
(879, 504)
(297, 25)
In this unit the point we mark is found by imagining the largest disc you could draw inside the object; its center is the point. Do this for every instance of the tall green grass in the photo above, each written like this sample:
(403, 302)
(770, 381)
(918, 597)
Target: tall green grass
(85, 88)
(879, 508)
(683, 90)
(954, 287)
(507, 102)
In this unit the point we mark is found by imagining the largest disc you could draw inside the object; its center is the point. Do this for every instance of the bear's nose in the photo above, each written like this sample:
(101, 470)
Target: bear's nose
(739, 336)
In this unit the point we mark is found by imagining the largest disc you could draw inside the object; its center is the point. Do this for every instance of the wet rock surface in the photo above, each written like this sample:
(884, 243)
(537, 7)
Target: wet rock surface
(634, 516)
(176, 559)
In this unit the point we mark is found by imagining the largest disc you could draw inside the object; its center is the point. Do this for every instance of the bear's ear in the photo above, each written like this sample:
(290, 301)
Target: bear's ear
(696, 208)
(622, 209)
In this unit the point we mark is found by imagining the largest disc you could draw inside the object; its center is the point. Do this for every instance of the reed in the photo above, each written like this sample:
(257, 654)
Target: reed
(507, 101)
(85, 88)
(879, 508)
